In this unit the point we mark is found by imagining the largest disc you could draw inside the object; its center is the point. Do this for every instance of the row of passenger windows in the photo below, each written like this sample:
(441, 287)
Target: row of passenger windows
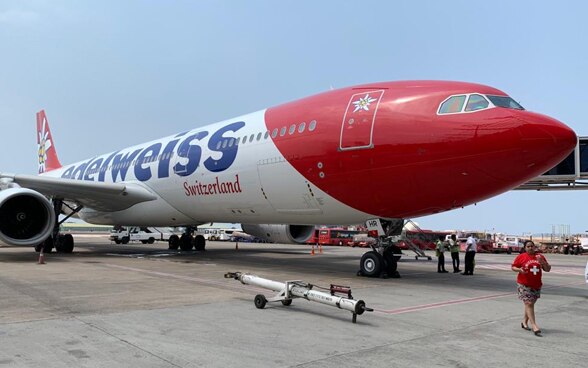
(229, 142)
(282, 132)
(457, 104)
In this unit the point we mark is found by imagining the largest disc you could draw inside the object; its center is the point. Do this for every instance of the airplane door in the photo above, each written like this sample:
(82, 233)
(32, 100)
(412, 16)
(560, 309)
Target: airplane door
(292, 196)
(358, 122)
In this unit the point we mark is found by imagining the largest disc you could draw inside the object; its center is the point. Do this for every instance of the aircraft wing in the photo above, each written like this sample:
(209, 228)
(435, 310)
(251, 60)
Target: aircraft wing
(96, 195)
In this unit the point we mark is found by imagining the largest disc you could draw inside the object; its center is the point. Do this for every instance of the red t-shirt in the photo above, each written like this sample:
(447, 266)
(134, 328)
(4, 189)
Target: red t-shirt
(533, 272)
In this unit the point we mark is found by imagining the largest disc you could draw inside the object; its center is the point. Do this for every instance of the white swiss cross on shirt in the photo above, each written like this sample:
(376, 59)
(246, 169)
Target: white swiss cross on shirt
(535, 270)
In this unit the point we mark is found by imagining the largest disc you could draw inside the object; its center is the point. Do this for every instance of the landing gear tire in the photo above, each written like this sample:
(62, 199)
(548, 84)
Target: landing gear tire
(174, 242)
(67, 243)
(287, 302)
(391, 261)
(46, 246)
(186, 242)
(371, 264)
(260, 301)
(199, 243)
(64, 244)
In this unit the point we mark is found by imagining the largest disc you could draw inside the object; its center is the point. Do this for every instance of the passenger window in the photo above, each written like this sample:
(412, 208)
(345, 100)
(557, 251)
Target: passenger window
(292, 129)
(282, 131)
(258, 136)
(266, 134)
(312, 126)
(476, 102)
(275, 133)
(301, 127)
(225, 141)
(452, 105)
(251, 138)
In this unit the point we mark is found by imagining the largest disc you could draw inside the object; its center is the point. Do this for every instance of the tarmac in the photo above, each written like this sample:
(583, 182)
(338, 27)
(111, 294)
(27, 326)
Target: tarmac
(108, 305)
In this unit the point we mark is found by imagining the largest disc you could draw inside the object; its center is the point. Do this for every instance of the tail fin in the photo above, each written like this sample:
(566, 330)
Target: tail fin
(47, 154)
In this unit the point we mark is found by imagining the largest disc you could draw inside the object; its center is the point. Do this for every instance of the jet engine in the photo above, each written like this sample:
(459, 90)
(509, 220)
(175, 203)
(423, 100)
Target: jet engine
(26, 217)
(292, 234)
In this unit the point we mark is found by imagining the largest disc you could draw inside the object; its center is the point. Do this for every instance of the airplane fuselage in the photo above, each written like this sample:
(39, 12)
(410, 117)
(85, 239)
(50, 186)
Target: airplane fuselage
(375, 151)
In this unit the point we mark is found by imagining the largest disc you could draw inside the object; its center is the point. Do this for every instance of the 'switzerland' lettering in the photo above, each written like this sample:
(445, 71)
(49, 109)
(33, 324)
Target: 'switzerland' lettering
(217, 187)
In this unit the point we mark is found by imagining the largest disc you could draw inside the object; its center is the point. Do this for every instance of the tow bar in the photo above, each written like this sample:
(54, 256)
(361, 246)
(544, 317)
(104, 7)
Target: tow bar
(298, 289)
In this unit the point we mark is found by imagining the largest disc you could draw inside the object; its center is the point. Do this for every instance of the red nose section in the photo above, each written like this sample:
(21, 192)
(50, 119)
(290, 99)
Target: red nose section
(545, 138)
(409, 161)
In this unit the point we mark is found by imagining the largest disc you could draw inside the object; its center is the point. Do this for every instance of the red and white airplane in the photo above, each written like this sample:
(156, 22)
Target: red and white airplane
(388, 151)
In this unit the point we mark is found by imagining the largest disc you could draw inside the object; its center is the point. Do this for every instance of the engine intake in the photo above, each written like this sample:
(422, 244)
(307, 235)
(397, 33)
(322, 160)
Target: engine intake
(277, 233)
(26, 217)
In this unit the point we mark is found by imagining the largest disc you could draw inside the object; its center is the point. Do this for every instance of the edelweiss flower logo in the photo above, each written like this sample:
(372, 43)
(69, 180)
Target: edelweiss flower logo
(363, 103)
(44, 146)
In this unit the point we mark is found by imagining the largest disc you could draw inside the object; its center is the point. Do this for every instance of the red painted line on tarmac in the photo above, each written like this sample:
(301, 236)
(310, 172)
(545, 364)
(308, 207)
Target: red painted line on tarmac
(442, 304)
(417, 308)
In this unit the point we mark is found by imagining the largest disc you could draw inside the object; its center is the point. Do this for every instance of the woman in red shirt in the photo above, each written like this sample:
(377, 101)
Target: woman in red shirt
(529, 266)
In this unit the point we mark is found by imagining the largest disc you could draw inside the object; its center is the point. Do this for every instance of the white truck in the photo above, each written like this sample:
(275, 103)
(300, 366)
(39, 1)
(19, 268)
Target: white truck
(214, 234)
(508, 244)
(146, 235)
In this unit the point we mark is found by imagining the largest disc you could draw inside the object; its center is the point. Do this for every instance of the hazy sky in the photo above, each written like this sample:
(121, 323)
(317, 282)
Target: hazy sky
(114, 73)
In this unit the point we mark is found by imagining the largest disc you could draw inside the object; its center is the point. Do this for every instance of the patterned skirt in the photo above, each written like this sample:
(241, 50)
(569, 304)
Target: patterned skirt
(527, 294)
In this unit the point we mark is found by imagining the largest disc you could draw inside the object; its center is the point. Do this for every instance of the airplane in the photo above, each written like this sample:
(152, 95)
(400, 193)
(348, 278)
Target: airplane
(377, 153)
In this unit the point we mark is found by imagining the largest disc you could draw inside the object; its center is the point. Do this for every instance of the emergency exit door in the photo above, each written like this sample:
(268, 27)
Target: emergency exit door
(357, 127)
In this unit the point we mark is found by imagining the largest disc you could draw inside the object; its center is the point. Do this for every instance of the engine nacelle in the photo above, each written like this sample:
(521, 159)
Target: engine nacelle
(292, 234)
(26, 217)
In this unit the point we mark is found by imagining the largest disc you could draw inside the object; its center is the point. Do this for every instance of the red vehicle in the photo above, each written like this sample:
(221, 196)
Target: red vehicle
(424, 239)
(484, 242)
(336, 236)
(314, 238)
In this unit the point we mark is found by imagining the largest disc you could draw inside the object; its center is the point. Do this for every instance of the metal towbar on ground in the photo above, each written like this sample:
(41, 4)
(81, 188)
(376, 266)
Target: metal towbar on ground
(297, 289)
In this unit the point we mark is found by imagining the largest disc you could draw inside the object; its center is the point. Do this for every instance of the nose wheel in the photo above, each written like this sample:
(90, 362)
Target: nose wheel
(374, 264)
(371, 264)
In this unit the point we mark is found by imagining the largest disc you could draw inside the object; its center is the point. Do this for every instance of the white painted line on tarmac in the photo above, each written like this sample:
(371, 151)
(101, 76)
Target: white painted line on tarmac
(201, 281)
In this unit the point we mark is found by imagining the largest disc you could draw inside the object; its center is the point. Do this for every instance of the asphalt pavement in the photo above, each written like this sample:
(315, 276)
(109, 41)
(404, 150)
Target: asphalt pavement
(110, 305)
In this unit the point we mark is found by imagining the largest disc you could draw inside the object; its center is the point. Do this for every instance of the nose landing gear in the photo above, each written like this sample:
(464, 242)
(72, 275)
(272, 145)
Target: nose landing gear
(382, 260)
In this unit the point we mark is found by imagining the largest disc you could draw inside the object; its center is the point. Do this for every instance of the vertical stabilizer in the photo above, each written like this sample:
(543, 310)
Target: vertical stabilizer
(46, 147)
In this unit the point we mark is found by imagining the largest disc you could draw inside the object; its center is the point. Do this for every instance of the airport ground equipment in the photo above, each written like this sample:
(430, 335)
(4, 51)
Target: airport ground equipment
(289, 290)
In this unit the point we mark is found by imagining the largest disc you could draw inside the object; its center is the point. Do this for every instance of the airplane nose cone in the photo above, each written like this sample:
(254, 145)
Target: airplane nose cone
(546, 140)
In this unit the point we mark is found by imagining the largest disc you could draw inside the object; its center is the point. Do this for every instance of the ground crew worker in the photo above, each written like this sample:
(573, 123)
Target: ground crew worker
(471, 249)
(454, 249)
(440, 249)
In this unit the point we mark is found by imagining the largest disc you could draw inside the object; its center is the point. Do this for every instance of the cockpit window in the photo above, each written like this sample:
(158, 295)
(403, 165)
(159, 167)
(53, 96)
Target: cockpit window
(504, 101)
(476, 102)
(472, 102)
(452, 105)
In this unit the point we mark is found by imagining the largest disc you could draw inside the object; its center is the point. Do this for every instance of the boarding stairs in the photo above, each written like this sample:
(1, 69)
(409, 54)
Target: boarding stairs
(411, 244)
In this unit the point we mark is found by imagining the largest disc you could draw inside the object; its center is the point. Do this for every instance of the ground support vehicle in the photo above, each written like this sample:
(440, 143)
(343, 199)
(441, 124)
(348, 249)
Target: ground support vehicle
(217, 234)
(146, 235)
(508, 245)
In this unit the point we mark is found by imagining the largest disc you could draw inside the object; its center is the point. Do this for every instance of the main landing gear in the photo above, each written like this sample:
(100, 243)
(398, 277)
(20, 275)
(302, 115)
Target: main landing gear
(187, 241)
(382, 260)
(63, 243)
